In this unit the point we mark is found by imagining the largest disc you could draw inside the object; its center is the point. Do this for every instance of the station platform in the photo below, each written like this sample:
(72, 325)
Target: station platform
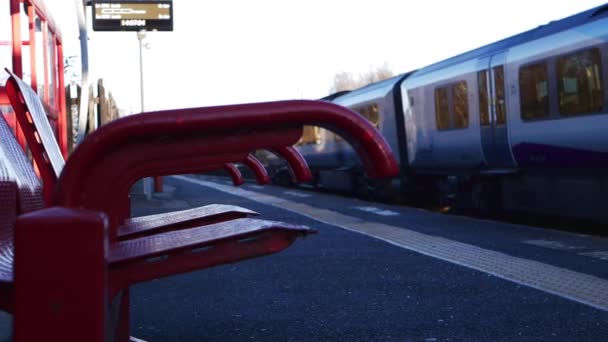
(376, 272)
(379, 273)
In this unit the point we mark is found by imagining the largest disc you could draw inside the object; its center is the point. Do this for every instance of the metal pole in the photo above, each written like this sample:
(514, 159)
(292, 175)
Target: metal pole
(84, 57)
(158, 181)
(141, 35)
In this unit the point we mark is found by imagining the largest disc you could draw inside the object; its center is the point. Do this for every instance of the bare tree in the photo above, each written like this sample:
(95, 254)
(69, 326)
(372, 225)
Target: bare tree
(343, 81)
(375, 75)
(346, 81)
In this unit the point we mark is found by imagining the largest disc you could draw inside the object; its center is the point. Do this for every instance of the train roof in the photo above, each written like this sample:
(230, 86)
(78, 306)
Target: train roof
(330, 97)
(536, 33)
(372, 90)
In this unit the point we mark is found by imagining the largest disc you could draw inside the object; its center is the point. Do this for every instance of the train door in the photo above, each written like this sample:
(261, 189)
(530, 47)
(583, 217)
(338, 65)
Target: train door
(493, 112)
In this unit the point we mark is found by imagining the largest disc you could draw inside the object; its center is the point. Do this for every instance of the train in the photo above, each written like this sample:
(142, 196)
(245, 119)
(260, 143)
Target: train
(518, 125)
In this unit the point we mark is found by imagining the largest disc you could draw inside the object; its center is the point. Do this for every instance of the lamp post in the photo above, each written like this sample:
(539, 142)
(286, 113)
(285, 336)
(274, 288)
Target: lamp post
(141, 35)
(147, 182)
(84, 72)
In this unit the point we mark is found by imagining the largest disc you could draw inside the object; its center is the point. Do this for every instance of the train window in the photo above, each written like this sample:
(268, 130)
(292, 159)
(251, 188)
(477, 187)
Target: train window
(580, 83)
(337, 137)
(442, 111)
(484, 106)
(534, 96)
(318, 134)
(310, 135)
(371, 113)
(499, 95)
(460, 104)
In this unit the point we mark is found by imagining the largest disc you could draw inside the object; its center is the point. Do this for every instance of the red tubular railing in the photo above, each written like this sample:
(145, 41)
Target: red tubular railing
(235, 174)
(261, 175)
(161, 143)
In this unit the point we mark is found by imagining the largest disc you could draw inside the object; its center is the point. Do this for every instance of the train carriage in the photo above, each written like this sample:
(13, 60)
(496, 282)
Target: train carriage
(334, 162)
(518, 124)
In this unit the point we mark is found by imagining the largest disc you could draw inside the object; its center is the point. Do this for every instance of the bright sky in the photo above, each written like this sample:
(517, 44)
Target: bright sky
(235, 51)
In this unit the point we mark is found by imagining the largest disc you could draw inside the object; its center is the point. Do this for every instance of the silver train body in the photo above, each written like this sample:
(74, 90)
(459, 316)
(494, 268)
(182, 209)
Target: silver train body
(520, 124)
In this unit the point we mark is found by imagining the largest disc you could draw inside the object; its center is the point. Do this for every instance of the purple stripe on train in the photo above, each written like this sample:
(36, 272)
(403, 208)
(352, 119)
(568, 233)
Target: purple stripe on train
(539, 155)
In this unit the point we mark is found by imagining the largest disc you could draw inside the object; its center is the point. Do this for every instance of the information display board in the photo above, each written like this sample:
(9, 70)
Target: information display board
(132, 15)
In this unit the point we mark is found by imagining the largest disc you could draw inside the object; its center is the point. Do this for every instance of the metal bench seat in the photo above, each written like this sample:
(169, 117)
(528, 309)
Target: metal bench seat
(129, 261)
(193, 238)
(7, 257)
(213, 213)
(20, 191)
(161, 255)
(15, 159)
(151, 257)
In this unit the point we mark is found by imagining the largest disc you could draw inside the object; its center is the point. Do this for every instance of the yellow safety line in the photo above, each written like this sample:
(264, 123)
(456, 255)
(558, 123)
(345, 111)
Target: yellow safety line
(576, 286)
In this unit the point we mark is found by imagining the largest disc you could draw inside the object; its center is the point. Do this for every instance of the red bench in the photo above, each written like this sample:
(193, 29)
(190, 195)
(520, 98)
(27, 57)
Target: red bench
(55, 245)
(49, 160)
(71, 269)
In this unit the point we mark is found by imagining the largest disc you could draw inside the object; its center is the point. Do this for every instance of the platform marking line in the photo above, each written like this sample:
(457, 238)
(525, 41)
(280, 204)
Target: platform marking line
(254, 186)
(579, 287)
(602, 255)
(557, 245)
(378, 211)
(135, 339)
(296, 194)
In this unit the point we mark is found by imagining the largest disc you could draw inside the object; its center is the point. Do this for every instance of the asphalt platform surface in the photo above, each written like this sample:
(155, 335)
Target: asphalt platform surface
(339, 285)
(343, 286)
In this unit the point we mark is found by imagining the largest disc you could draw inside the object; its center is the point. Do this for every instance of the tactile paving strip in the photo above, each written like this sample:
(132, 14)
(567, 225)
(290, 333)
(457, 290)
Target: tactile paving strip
(579, 287)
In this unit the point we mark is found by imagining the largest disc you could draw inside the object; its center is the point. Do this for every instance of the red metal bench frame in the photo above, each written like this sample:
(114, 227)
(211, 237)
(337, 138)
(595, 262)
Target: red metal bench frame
(32, 118)
(86, 215)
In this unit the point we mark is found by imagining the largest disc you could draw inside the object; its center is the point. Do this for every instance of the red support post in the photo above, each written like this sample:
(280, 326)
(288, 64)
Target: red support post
(61, 293)
(17, 54)
(62, 124)
(16, 37)
(261, 175)
(45, 63)
(31, 14)
(158, 184)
